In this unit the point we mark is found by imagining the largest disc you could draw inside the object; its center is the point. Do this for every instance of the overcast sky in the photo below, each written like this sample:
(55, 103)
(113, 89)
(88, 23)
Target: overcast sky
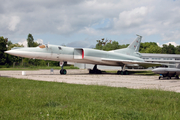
(79, 23)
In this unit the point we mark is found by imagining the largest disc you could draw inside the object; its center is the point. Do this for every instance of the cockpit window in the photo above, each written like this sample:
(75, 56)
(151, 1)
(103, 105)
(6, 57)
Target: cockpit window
(59, 48)
(42, 46)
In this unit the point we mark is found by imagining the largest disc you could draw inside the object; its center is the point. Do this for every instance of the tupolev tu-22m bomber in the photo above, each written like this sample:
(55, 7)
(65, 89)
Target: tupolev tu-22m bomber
(119, 57)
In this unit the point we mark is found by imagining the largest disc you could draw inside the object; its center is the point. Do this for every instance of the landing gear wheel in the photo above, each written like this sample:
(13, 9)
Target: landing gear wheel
(95, 71)
(124, 72)
(118, 72)
(159, 77)
(90, 71)
(63, 71)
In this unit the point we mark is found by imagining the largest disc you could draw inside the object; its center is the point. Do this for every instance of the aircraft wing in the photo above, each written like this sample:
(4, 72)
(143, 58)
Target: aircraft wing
(125, 62)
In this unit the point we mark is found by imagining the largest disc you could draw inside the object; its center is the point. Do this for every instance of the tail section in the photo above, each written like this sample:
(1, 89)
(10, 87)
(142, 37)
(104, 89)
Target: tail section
(132, 49)
(135, 44)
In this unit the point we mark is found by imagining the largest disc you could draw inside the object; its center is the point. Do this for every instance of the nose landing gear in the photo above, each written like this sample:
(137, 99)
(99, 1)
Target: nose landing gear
(62, 71)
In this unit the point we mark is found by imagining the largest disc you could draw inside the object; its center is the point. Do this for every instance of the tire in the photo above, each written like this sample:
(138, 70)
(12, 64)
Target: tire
(90, 71)
(126, 72)
(63, 71)
(98, 72)
(118, 72)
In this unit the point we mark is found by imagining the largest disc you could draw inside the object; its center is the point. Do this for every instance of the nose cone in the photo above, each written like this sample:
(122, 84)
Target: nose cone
(158, 70)
(155, 70)
(13, 52)
(28, 53)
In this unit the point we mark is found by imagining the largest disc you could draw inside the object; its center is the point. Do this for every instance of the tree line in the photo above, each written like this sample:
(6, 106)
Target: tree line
(147, 47)
(7, 60)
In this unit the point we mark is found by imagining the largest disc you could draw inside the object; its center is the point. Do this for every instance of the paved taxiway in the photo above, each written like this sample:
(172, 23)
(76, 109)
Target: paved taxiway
(114, 80)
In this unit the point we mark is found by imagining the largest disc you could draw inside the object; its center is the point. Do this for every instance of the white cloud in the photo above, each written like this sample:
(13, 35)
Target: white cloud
(13, 23)
(132, 17)
(23, 42)
(69, 17)
(39, 41)
(171, 35)
(172, 43)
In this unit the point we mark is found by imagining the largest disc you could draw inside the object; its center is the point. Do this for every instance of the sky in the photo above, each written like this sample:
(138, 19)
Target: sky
(79, 23)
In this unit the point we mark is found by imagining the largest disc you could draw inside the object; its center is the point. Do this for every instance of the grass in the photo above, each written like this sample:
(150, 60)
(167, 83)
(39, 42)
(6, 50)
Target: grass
(27, 99)
(39, 67)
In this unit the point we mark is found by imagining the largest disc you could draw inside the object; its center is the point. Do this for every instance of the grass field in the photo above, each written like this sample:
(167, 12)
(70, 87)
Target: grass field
(27, 99)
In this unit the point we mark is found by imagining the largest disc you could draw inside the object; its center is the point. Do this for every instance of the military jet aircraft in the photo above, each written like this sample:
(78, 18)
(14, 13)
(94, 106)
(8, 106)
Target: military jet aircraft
(168, 72)
(119, 57)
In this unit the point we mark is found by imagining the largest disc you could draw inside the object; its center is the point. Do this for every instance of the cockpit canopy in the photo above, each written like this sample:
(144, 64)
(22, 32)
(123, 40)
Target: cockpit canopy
(43, 46)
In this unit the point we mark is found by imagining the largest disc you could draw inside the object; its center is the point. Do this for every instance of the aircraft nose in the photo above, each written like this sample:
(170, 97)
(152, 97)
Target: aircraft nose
(154, 70)
(12, 52)
(16, 53)
(8, 52)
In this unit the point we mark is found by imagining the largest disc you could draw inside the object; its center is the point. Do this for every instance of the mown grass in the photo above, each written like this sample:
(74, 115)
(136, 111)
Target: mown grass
(27, 99)
(38, 67)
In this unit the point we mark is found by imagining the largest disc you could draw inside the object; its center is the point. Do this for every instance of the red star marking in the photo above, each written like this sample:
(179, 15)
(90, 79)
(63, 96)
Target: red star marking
(134, 46)
(137, 41)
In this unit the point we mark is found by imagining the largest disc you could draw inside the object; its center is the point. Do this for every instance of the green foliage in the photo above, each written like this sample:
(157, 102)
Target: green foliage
(109, 45)
(168, 49)
(30, 40)
(27, 99)
(3, 56)
(177, 50)
(10, 46)
(149, 47)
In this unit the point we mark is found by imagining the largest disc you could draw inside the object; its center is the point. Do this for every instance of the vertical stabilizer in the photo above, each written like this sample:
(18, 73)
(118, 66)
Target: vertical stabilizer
(132, 49)
(135, 44)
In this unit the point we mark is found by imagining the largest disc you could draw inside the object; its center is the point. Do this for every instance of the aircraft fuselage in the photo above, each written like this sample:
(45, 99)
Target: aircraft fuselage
(77, 55)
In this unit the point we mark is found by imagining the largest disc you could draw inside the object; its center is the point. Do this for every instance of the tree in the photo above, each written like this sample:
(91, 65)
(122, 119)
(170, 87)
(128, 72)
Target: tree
(14, 45)
(145, 46)
(177, 51)
(3, 56)
(168, 49)
(30, 40)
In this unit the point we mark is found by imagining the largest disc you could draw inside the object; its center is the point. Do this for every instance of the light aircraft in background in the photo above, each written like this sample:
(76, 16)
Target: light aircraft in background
(168, 72)
(119, 57)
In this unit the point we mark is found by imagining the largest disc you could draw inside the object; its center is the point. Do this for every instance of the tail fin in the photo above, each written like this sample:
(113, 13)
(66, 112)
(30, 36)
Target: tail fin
(132, 49)
(178, 66)
(135, 44)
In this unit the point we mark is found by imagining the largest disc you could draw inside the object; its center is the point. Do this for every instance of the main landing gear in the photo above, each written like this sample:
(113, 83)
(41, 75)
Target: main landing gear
(62, 71)
(123, 71)
(95, 70)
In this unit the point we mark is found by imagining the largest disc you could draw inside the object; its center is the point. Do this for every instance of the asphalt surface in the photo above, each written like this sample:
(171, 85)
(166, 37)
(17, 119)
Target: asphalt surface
(114, 80)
